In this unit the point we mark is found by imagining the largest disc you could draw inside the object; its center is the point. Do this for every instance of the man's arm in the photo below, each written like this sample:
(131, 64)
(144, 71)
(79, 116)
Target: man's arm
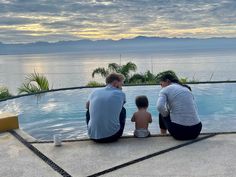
(88, 101)
(124, 99)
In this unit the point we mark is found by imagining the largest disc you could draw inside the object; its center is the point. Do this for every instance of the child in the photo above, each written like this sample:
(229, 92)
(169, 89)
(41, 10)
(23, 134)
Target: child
(141, 118)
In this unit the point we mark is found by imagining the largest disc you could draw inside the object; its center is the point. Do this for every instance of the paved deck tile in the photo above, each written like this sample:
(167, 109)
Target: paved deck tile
(86, 157)
(213, 157)
(18, 161)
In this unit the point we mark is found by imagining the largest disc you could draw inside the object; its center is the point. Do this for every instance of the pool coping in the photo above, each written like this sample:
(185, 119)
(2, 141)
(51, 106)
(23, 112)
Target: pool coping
(33, 140)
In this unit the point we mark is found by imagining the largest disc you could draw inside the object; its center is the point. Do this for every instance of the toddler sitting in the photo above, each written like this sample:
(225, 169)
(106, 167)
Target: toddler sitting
(141, 118)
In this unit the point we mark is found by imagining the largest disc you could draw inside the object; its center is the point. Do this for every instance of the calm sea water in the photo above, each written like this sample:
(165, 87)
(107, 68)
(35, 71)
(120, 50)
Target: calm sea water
(74, 69)
(64, 111)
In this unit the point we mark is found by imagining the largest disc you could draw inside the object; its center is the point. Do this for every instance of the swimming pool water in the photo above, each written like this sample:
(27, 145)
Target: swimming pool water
(64, 111)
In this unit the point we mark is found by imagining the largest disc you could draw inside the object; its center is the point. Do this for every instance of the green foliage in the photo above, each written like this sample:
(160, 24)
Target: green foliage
(34, 83)
(193, 80)
(147, 78)
(137, 78)
(126, 69)
(94, 84)
(186, 80)
(4, 93)
(183, 80)
(102, 71)
(114, 67)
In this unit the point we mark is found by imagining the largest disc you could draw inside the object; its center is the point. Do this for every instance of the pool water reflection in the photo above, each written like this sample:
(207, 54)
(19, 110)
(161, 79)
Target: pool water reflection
(64, 111)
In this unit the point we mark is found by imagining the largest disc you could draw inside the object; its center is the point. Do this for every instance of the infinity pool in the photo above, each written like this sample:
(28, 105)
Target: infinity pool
(64, 111)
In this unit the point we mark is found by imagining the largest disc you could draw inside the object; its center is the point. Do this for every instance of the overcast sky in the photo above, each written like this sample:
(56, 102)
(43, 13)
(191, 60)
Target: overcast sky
(23, 21)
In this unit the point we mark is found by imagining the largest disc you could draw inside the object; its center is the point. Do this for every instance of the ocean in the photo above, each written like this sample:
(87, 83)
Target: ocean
(73, 69)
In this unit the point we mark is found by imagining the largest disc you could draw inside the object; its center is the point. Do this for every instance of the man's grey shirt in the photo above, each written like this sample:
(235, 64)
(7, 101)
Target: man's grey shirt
(105, 105)
(178, 101)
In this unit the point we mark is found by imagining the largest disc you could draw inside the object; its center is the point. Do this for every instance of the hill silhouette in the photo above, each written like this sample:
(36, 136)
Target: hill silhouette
(139, 44)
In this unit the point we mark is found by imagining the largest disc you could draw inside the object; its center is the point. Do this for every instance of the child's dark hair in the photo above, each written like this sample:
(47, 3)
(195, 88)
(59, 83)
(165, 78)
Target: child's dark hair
(141, 101)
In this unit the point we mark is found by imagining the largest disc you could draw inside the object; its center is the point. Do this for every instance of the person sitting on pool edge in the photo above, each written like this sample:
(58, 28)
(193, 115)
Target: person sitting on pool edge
(106, 115)
(178, 112)
(141, 117)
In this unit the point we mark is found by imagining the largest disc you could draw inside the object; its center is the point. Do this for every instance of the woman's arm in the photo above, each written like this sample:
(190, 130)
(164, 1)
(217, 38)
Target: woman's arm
(161, 105)
(87, 105)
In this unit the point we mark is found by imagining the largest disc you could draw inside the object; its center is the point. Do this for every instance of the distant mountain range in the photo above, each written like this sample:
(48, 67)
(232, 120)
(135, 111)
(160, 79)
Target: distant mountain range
(137, 44)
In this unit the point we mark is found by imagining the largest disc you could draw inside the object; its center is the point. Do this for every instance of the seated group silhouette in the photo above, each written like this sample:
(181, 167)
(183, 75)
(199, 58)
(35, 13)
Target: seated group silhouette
(106, 114)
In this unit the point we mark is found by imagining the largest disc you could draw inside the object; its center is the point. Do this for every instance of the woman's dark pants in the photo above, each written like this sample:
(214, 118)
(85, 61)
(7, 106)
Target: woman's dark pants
(180, 132)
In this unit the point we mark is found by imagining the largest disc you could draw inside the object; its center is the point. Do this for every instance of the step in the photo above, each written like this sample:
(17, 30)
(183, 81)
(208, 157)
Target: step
(8, 121)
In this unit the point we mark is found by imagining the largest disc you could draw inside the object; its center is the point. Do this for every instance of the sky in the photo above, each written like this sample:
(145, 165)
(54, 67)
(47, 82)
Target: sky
(27, 21)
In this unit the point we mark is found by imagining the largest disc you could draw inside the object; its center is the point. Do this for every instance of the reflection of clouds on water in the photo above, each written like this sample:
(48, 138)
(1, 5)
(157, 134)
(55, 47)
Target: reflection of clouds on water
(10, 106)
(75, 69)
(49, 107)
(228, 109)
(219, 123)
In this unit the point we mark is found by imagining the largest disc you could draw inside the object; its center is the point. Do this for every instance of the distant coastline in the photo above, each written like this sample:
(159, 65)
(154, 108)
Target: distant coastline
(139, 44)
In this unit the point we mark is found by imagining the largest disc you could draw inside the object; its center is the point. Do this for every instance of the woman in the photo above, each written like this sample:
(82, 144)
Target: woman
(177, 108)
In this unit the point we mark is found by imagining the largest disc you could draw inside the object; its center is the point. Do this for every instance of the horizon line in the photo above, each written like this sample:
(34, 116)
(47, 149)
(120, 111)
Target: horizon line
(78, 40)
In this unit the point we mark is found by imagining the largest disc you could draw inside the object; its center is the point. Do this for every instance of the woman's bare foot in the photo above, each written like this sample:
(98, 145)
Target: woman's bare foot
(163, 132)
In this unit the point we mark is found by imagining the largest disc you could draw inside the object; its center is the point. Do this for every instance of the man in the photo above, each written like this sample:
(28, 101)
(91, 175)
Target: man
(106, 115)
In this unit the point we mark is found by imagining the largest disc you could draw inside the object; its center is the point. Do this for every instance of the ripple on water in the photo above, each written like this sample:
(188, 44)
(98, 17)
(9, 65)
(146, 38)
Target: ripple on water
(64, 111)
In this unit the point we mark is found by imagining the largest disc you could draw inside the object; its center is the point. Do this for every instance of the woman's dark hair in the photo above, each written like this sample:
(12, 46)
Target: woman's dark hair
(171, 76)
(141, 101)
(168, 75)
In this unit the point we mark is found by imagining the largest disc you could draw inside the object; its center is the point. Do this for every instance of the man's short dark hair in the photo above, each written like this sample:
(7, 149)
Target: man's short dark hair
(114, 77)
(141, 101)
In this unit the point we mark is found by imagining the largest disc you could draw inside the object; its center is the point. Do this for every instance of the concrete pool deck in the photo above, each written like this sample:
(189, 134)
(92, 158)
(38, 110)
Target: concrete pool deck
(210, 155)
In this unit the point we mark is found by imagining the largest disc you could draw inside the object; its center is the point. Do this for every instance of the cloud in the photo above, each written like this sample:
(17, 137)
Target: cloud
(8, 20)
(115, 19)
